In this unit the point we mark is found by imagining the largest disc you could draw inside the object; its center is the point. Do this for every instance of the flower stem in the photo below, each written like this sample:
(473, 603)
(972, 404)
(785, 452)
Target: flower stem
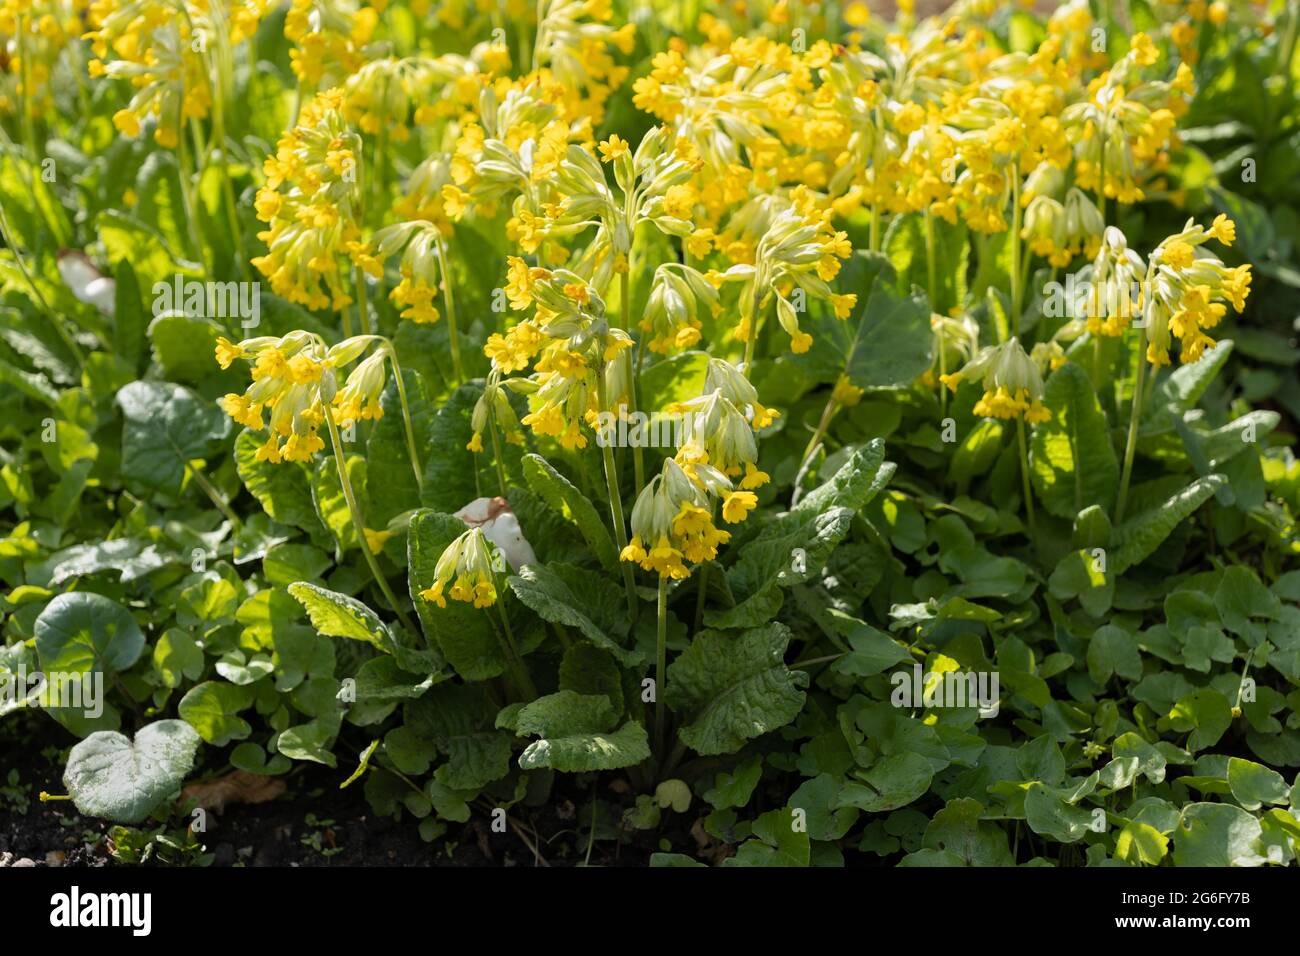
(1130, 445)
(1024, 473)
(931, 265)
(638, 461)
(1017, 280)
(214, 495)
(363, 306)
(452, 335)
(358, 522)
(496, 450)
(661, 665)
(406, 415)
(615, 500)
(828, 413)
(519, 671)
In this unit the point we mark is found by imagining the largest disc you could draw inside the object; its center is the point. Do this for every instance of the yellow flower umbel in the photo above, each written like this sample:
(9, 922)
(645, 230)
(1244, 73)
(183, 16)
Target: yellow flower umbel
(295, 383)
(1013, 385)
(1122, 131)
(1190, 290)
(421, 266)
(1060, 231)
(327, 38)
(33, 36)
(1111, 286)
(679, 295)
(672, 524)
(798, 250)
(468, 565)
(311, 201)
(719, 431)
(170, 52)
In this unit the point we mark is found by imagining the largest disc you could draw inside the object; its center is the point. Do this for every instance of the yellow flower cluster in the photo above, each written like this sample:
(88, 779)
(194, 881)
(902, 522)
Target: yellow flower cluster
(1013, 384)
(311, 201)
(1189, 291)
(467, 565)
(33, 36)
(295, 383)
(170, 53)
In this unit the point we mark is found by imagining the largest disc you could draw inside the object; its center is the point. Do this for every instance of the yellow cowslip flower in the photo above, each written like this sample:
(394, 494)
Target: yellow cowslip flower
(294, 381)
(1188, 291)
(327, 38)
(956, 339)
(1122, 131)
(1111, 286)
(672, 524)
(421, 266)
(1060, 231)
(468, 564)
(1013, 385)
(678, 296)
(311, 201)
(170, 53)
(792, 253)
(719, 424)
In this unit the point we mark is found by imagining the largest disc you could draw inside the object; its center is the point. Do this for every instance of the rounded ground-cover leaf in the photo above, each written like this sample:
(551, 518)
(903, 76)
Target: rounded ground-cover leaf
(111, 776)
(212, 709)
(81, 632)
(165, 426)
(1216, 834)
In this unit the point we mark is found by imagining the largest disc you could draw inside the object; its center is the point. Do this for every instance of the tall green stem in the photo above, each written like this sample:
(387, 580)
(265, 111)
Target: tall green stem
(1024, 474)
(496, 450)
(406, 414)
(359, 522)
(661, 665)
(638, 460)
(452, 336)
(1017, 280)
(514, 660)
(615, 499)
(930, 264)
(1135, 415)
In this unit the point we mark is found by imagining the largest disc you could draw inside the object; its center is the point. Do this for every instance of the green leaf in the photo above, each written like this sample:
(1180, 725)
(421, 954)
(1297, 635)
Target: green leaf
(184, 345)
(283, 490)
(1206, 714)
(1216, 834)
(165, 427)
(575, 736)
(1141, 843)
(338, 615)
(891, 782)
(886, 340)
(1112, 650)
(905, 244)
(81, 632)
(958, 829)
(212, 708)
(457, 720)
(113, 777)
(568, 595)
(1072, 461)
(1049, 815)
(1254, 785)
(732, 688)
(1142, 534)
(563, 497)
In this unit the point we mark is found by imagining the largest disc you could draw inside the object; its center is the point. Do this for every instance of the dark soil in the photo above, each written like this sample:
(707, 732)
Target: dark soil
(313, 823)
